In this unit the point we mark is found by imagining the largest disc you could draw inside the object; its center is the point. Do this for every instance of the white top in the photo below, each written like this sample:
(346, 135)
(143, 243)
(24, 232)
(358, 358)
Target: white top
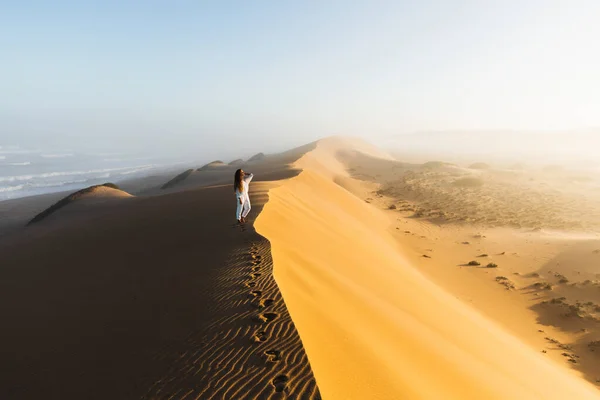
(245, 185)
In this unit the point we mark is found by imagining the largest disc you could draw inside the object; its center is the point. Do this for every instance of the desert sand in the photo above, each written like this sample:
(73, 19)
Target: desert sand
(359, 276)
(373, 323)
(115, 296)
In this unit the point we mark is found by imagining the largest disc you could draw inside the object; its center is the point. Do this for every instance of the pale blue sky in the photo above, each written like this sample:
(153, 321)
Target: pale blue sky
(199, 73)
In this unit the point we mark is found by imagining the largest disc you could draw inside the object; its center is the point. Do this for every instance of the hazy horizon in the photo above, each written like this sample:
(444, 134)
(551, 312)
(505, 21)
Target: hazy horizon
(191, 77)
(440, 240)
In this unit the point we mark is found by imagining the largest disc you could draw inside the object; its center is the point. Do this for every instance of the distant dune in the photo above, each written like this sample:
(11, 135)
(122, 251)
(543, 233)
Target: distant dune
(376, 278)
(178, 179)
(237, 162)
(479, 165)
(437, 164)
(257, 157)
(106, 190)
(213, 165)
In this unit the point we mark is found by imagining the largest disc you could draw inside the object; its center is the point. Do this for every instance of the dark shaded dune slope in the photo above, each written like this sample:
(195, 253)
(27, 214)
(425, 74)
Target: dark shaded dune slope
(265, 167)
(69, 199)
(178, 179)
(162, 297)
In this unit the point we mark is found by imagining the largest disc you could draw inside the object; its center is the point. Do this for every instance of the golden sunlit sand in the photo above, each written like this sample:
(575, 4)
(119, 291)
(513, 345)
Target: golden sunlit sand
(373, 325)
(367, 277)
(178, 223)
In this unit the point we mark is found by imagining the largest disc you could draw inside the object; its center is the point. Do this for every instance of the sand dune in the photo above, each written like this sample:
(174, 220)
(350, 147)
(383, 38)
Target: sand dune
(354, 296)
(213, 165)
(92, 194)
(443, 192)
(160, 297)
(236, 162)
(256, 157)
(252, 350)
(479, 165)
(544, 288)
(178, 179)
(268, 167)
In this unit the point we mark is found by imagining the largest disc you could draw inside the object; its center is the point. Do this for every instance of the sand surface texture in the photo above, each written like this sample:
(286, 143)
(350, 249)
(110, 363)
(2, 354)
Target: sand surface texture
(544, 250)
(366, 278)
(373, 325)
(160, 297)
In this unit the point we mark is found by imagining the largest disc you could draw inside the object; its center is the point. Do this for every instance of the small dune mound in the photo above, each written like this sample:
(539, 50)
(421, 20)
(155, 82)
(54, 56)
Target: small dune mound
(468, 182)
(257, 157)
(104, 190)
(237, 162)
(436, 164)
(178, 179)
(212, 165)
(479, 165)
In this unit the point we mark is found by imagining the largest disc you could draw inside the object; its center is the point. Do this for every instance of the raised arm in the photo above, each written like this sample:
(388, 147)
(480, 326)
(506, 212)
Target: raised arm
(248, 177)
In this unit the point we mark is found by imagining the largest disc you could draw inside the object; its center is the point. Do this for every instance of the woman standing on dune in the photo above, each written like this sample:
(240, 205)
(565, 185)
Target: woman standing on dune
(241, 186)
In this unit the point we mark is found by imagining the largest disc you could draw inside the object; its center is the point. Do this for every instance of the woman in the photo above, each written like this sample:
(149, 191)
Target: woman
(241, 184)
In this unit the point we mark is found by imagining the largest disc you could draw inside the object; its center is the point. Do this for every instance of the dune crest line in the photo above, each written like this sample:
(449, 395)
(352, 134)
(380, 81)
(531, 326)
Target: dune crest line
(156, 297)
(354, 296)
(251, 354)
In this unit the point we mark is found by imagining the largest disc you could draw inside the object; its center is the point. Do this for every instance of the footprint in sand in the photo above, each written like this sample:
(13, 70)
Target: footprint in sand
(255, 275)
(260, 337)
(250, 284)
(280, 382)
(256, 293)
(267, 317)
(265, 303)
(273, 355)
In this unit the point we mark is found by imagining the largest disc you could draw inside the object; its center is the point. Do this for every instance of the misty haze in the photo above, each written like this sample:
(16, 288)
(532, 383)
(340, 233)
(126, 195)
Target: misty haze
(320, 200)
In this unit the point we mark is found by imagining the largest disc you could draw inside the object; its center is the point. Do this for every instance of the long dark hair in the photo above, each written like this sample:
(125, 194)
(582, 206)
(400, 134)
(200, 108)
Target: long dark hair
(237, 181)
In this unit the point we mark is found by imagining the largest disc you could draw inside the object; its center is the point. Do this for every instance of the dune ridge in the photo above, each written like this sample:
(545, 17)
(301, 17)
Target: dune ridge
(257, 157)
(236, 162)
(213, 165)
(354, 296)
(106, 190)
(178, 179)
(159, 297)
(250, 354)
(492, 197)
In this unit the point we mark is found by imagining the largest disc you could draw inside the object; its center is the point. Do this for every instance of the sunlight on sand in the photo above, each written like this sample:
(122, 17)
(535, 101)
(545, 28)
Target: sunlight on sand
(373, 326)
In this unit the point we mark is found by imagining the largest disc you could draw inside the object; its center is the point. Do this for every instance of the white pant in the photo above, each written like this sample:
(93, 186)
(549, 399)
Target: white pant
(243, 209)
